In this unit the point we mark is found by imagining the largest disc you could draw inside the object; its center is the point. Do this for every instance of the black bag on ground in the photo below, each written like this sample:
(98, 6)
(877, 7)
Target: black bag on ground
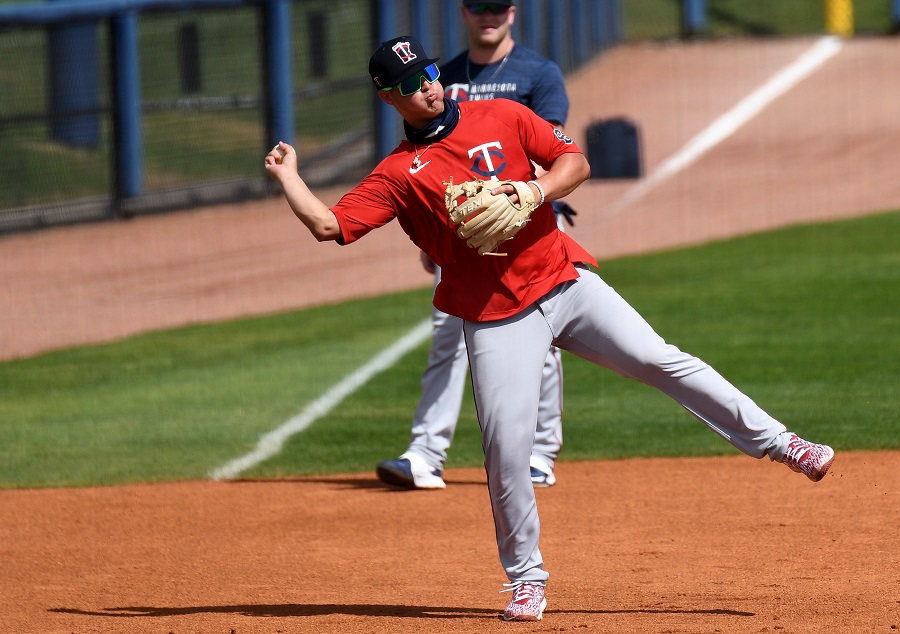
(614, 149)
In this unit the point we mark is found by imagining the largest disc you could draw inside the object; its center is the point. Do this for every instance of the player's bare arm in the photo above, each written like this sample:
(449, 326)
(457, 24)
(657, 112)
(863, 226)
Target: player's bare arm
(281, 167)
(565, 175)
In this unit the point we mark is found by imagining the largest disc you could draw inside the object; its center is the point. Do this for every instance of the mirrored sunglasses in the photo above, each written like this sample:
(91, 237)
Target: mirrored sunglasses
(481, 8)
(412, 85)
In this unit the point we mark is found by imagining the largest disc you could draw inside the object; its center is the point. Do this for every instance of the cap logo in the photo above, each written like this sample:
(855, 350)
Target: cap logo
(403, 52)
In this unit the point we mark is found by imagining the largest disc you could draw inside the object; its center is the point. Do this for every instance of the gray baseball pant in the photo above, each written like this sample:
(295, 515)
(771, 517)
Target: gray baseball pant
(443, 382)
(588, 318)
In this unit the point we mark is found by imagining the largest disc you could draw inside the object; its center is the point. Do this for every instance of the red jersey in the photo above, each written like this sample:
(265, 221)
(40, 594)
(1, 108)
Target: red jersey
(495, 139)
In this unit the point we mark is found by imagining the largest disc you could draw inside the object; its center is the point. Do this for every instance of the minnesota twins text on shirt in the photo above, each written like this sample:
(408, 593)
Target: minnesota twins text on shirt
(476, 92)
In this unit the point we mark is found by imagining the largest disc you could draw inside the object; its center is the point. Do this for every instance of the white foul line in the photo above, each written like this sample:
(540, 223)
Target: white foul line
(271, 443)
(731, 121)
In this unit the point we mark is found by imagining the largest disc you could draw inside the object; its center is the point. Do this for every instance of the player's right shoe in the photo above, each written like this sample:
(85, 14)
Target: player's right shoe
(541, 473)
(528, 603)
(410, 471)
(808, 458)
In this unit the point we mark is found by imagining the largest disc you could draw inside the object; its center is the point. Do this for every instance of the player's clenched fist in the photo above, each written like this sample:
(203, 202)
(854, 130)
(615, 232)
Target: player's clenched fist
(280, 158)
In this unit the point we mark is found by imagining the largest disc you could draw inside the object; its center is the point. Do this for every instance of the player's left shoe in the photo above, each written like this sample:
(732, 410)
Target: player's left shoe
(541, 473)
(808, 458)
(528, 603)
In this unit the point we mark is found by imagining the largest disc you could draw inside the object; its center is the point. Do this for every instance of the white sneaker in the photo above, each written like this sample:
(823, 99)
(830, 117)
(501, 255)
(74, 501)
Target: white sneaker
(541, 473)
(410, 471)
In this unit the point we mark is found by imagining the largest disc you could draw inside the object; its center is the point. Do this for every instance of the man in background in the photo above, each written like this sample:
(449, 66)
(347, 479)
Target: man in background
(493, 67)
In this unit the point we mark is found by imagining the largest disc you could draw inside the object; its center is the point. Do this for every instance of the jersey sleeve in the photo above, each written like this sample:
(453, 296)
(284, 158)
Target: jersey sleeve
(364, 208)
(543, 143)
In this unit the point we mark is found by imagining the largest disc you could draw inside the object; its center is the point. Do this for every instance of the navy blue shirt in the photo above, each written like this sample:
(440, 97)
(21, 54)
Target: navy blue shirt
(526, 76)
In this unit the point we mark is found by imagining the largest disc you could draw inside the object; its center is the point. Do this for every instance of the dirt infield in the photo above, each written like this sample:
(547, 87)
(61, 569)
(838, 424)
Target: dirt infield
(727, 545)
(701, 545)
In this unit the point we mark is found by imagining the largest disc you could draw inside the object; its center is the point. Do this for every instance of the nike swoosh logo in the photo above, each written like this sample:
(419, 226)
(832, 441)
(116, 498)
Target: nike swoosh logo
(413, 170)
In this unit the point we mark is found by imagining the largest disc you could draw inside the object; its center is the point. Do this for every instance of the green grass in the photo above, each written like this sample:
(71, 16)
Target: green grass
(804, 320)
(170, 405)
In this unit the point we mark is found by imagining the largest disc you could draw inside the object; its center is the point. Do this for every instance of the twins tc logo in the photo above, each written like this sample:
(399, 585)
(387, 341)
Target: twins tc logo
(484, 159)
(403, 52)
(457, 92)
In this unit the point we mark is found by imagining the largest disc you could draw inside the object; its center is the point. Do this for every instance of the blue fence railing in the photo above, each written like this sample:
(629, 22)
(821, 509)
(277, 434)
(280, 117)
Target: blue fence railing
(80, 110)
(126, 98)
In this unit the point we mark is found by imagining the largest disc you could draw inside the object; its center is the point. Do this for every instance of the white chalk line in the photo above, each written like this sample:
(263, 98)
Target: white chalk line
(730, 122)
(271, 443)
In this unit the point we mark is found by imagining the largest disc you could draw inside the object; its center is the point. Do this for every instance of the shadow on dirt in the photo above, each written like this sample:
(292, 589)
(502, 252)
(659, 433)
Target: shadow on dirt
(343, 482)
(399, 611)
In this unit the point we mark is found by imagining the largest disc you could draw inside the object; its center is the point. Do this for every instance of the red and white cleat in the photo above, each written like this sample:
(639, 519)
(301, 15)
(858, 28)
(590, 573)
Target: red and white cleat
(528, 603)
(808, 458)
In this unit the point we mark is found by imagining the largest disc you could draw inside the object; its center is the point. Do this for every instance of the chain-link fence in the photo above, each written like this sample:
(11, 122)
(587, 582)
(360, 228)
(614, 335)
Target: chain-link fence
(203, 108)
(203, 80)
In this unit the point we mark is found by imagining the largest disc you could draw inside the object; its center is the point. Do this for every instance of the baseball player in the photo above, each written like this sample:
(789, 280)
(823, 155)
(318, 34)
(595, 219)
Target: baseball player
(518, 283)
(494, 66)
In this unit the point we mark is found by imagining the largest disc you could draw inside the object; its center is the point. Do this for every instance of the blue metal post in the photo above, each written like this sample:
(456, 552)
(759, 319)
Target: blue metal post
(580, 23)
(607, 24)
(422, 24)
(693, 17)
(278, 60)
(127, 108)
(452, 27)
(555, 20)
(385, 129)
(599, 26)
(74, 83)
(616, 14)
(530, 22)
(895, 15)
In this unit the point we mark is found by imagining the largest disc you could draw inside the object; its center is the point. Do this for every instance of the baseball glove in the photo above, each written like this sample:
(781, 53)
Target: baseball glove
(486, 220)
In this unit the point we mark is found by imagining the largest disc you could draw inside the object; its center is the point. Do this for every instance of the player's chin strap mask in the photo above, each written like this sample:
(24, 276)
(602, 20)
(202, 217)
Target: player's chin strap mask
(486, 220)
(439, 128)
